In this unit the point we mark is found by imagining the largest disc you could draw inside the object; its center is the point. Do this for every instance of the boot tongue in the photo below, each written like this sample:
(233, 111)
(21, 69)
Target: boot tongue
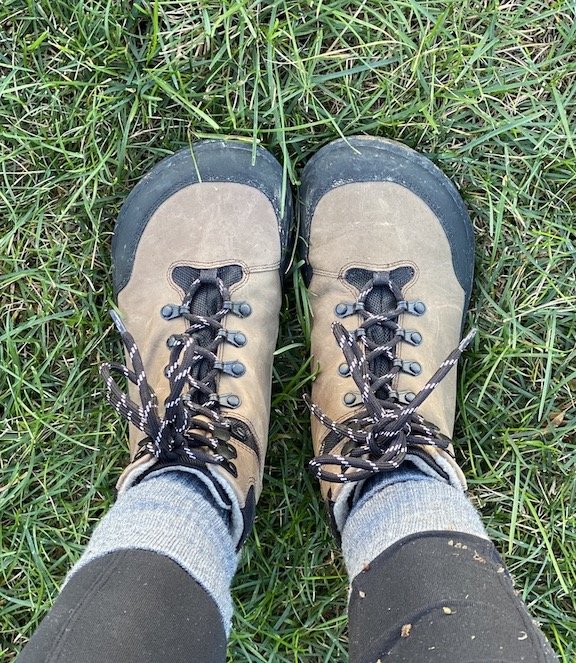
(378, 301)
(206, 301)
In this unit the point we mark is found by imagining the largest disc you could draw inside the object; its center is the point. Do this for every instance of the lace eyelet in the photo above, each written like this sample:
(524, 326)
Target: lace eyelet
(412, 367)
(352, 398)
(236, 338)
(415, 307)
(171, 341)
(344, 370)
(231, 468)
(239, 339)
(226, 450)
(229, 400)
(235, 369)
(241, 309)
(172, 311)
(409, 367)
(343, 310)
(404, 397)
(411, 336)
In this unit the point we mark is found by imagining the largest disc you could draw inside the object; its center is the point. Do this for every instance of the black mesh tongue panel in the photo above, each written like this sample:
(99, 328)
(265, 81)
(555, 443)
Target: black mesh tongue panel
(207, 300)
(184, 276)
(379, 300)
(360, 277)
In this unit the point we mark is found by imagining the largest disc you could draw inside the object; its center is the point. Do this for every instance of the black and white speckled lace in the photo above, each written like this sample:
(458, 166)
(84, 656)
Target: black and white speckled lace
(384, 431)
(192, 430)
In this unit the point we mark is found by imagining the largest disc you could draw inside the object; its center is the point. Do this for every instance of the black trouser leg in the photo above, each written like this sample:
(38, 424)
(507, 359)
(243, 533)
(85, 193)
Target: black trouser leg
(441, 597)
(131, 606)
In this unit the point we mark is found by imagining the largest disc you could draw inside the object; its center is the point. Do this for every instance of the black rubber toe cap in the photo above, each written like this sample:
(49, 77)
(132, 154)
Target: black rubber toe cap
(365, 159)
(207, 161)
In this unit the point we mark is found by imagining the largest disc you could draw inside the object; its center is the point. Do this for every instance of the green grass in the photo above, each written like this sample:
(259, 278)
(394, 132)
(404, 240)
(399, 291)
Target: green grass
(93, 93)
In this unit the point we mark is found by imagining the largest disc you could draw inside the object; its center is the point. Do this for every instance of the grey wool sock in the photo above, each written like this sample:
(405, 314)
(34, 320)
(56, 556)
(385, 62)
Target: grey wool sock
(402, 503)
(172, 514)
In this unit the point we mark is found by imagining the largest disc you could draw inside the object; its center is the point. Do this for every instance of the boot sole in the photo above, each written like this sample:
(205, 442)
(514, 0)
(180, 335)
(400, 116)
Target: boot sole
(205, 161)
(371, 159)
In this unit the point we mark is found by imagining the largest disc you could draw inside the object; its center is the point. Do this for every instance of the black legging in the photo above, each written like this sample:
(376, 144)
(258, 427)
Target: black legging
(441, 597)
(432, 597)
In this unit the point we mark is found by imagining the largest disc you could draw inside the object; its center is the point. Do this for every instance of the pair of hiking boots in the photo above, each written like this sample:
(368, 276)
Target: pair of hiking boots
(199, 253)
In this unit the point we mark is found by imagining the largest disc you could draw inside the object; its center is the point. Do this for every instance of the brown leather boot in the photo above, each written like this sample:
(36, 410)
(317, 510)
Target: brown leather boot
(389, 254)
(198, 253)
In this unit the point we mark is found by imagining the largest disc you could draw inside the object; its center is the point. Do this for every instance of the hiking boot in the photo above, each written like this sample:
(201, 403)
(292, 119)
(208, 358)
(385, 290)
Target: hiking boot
(389, 257)
(198, 253)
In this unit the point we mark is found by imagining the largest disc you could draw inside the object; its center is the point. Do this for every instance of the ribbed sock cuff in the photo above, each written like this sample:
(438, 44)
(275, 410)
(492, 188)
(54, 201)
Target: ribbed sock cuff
(174, 515)
(404, 502)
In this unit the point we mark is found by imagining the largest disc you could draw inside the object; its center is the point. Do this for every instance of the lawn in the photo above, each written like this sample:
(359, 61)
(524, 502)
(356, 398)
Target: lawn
(94, 92)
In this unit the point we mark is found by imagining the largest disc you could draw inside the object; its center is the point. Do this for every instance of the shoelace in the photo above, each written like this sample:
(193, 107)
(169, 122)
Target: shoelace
(180, 434)
(384, 432)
